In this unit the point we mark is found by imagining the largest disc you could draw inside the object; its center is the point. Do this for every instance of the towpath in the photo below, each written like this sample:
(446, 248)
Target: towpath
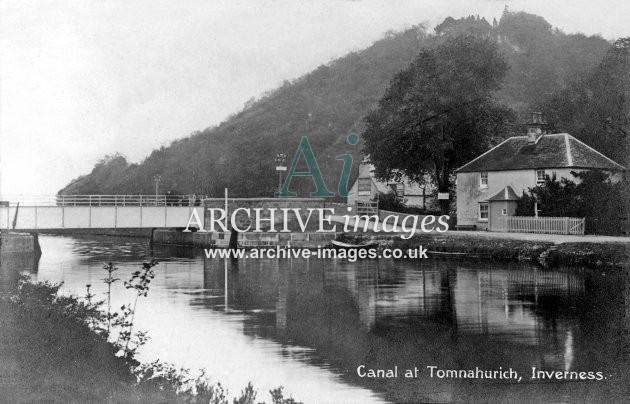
(552, 238)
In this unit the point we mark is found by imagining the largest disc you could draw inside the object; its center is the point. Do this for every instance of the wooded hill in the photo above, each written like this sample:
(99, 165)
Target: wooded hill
(331, 102)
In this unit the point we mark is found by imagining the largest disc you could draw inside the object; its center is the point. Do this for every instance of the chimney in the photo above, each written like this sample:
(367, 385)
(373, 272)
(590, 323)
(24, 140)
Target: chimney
(536, 128)
(532, 134)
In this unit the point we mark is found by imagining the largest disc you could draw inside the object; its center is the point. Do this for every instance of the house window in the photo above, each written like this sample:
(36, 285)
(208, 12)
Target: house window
(398, 188)
(365, 186)
(483, 179)
(504, 212)
(540, 177)
(483, 211)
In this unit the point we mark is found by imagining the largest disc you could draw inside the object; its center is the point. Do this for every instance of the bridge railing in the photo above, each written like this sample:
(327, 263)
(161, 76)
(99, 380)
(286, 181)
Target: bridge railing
(104, 200)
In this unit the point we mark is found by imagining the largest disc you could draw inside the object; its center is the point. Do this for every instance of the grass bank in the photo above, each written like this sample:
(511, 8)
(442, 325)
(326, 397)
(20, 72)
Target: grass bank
(574, 254)
(51, 355)
(590, 255)
(497, 249)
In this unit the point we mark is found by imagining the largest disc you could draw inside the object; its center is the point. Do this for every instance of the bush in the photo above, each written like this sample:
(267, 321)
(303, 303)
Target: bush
(392, 202)
(603, 203)
(68, 336)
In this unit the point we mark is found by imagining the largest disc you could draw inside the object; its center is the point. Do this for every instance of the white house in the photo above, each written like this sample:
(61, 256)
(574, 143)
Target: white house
(367, 187)
(488, 186)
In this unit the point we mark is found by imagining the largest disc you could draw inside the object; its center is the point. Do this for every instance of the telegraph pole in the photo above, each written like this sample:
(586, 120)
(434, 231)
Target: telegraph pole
(281, 165)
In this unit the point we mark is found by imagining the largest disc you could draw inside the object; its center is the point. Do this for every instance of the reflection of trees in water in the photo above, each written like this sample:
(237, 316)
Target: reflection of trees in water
(99, 249)
(170, 251)
(405, 314)
(604, 337)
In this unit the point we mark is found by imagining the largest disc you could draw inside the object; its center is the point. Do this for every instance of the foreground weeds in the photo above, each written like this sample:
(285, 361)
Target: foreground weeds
(90, 325)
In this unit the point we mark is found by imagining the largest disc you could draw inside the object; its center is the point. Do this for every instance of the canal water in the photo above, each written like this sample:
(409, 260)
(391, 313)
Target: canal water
(308, 325)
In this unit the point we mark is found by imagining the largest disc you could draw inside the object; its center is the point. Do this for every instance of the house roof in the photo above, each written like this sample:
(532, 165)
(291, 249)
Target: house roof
(506, 194)
(549, 151)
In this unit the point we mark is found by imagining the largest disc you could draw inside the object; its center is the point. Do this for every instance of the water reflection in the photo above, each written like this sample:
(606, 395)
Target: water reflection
(308, 324)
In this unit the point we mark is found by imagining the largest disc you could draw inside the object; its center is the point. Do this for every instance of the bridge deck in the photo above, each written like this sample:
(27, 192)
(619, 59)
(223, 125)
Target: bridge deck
(85, 212)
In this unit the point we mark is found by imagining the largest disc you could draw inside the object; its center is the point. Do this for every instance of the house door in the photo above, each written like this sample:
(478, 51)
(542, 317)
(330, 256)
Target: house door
(497, 216)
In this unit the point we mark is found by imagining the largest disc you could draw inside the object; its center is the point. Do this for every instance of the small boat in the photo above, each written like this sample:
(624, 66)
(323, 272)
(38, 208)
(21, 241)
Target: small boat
(338, 245)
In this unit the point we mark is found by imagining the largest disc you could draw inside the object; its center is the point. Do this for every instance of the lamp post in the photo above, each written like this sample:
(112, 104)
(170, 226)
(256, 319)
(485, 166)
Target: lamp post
(157, 178)
(281, 165)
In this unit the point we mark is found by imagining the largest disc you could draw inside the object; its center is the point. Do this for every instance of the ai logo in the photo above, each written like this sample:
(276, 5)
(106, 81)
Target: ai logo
(304, 149)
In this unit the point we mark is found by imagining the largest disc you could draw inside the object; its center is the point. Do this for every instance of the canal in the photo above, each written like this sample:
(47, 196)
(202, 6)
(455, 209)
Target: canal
(308, 325)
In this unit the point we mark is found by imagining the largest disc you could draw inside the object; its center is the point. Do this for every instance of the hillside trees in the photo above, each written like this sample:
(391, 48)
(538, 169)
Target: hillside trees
(438, 113)
(596, 109)
(330, 102)
(105, 176)
(471, 25)
(542, 59)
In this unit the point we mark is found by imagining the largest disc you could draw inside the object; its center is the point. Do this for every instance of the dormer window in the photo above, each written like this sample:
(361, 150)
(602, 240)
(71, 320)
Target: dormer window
(483, 179)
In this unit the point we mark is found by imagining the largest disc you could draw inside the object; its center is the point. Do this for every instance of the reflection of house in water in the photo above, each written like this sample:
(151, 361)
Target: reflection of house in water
(325, 304)
(475, 301)
(281, 303)
(404, 312)
(358, 283)
(482, 301)
(511, 302)
(521, 306)
(517, 304)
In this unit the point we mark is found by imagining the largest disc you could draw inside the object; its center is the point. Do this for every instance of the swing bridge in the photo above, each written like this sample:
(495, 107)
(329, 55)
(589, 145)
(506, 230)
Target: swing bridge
(52, 212)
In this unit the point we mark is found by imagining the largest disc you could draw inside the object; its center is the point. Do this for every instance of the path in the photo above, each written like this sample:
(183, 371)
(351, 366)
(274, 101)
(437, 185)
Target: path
(552, 238)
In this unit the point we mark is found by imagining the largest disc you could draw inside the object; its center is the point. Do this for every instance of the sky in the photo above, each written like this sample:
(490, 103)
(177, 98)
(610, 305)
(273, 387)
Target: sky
(83, 79)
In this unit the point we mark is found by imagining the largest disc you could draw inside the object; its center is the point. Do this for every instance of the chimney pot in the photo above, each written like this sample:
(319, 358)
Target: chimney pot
(537, 127)
(532, 134)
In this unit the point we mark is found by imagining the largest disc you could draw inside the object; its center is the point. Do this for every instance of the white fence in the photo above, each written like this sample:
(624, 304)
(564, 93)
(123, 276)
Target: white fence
(546, 225)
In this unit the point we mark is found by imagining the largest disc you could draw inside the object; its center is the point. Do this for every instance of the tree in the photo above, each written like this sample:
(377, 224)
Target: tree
(526, 30)
(594, 196)
(438, 113)
(470, 25)
(596, 109)
(555, 198)
(107, 171)
(390, 201)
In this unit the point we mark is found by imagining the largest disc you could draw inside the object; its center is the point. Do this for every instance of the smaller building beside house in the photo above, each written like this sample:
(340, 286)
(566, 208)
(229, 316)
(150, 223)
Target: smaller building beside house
(489, 186)
(366, 188)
